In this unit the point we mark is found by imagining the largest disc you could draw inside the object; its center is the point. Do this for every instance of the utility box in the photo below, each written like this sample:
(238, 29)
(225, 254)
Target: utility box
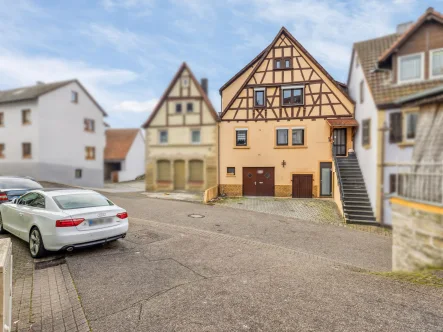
(6, 283)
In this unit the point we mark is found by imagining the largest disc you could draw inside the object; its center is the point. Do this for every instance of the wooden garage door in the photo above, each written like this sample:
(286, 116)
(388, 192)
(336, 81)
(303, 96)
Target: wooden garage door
(302, 185)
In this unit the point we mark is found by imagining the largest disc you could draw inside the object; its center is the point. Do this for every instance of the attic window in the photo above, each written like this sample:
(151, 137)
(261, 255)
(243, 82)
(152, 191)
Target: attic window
(185, 82)
(282, 63)
(74, 96)
(259, 97)
(292, 95)
(436, 63)
(410, 68)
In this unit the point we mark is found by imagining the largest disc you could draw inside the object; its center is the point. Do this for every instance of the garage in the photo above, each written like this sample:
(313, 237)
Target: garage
(302, 185)
(258, 181)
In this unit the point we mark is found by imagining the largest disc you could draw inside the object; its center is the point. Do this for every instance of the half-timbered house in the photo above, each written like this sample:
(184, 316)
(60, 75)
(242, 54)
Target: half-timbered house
(282, 116)
(181, 137)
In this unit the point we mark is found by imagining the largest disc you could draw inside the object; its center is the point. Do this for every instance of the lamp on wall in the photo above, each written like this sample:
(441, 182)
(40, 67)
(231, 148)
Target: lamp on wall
(283, 163)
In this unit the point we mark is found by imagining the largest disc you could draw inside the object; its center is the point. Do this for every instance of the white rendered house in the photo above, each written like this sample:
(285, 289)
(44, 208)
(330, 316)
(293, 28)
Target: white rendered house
(52, 132)
(124, 154)
(383, 71)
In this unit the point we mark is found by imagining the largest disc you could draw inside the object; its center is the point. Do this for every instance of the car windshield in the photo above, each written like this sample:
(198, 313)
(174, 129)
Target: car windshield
(81, 201)
(18, 183)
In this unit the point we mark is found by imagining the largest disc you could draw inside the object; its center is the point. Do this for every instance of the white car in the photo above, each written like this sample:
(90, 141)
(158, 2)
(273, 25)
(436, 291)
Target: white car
(63, 219)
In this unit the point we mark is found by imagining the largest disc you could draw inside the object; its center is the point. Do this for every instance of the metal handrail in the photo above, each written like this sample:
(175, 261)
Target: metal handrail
(337, 170)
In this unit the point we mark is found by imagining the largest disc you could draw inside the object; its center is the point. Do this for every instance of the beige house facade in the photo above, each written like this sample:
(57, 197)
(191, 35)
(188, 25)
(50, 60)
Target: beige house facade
(282, 117)
(181, 137)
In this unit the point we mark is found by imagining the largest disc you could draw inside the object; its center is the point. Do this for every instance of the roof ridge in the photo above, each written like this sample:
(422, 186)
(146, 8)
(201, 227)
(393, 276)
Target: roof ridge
(41, 84)
(377, 38)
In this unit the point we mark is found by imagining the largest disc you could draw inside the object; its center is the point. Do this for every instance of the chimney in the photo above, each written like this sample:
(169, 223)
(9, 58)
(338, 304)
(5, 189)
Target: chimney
(402, 27)
(204, 84)
(40, 83)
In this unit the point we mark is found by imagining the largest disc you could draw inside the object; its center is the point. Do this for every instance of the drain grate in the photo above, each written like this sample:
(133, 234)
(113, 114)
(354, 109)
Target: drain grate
(45, 263)
(195, 215)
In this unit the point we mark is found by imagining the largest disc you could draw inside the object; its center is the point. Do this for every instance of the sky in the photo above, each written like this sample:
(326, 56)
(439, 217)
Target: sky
(125, 52)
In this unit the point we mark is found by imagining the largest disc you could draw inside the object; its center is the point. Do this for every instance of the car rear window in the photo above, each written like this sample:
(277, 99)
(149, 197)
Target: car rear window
(81, 201)
(18, 183)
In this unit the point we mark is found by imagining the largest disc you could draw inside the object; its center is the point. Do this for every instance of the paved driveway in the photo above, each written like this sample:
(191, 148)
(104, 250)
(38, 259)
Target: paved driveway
(316, 210)
(248, 271)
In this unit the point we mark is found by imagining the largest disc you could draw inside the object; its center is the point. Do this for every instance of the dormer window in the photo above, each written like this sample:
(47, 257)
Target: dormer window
(282, 63)
(410, 68)
(259, 97)
(436, 63)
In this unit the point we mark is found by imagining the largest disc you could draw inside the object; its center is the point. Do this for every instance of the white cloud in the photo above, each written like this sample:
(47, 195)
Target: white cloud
(136, 106)
(204, 9)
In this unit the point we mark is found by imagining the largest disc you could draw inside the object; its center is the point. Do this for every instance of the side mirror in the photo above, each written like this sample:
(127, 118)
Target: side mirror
(14, 201)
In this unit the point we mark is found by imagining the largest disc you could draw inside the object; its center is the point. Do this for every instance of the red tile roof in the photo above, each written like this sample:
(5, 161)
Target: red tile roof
(118, 143)
(342, 122)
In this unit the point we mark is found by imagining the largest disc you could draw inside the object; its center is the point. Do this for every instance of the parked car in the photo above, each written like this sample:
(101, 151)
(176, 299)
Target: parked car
(63, 219)
(14, 186)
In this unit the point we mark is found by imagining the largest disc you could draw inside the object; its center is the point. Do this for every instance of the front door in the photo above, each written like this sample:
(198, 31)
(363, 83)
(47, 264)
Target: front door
(340, 141)
(325, 179)
(179, 174)
(302, 186)
(258, 181)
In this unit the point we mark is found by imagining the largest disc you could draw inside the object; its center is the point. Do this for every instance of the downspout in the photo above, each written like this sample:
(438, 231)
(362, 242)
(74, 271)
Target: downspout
(382, 170)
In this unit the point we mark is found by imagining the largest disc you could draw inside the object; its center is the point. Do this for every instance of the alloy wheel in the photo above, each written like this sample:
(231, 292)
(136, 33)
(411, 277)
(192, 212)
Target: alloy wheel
(34, 242)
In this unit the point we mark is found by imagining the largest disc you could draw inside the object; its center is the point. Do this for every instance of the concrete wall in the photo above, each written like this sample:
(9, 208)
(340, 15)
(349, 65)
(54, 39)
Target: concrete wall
(417, 235)
(367, 155)
(134, 164)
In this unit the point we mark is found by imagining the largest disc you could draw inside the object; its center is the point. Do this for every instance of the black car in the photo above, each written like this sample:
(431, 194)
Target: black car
(14, 186)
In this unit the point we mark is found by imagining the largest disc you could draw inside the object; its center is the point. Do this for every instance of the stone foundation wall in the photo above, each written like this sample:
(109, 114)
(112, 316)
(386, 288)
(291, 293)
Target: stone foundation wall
(231, 189)
(283, 190)
(417, 236)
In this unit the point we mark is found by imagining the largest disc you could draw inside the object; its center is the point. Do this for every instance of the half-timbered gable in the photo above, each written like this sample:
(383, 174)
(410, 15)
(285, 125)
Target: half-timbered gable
(181, 136)
(283, 121)
(285, 83)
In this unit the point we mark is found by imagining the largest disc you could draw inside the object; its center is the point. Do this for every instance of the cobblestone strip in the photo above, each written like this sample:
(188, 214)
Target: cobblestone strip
(55, 302)
(21, 303)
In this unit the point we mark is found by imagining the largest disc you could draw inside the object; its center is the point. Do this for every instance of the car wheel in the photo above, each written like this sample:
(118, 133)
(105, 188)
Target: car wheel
(36, 247)
(2, 230)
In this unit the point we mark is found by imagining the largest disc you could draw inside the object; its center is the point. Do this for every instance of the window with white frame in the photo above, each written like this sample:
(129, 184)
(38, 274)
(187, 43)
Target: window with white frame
(163, 136)
(195, 136)
(410, 68)
(436, 63)
(259, 97)
(410, 125)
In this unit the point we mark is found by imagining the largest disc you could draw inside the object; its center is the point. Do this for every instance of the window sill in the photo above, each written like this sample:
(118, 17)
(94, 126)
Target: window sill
(27, 157)
(89, 131)
(163, 181)
(291, 147)
(367, 146)
(230, 175)
(241, 147)
(90, 159)
(405, 144)
(26, 123)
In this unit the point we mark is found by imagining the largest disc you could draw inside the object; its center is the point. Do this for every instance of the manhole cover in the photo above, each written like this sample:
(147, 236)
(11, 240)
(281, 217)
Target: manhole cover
(194, 215)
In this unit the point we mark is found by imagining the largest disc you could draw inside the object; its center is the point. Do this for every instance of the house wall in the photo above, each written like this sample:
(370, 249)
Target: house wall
(13, 133)
(134, 164)
(180, 146)
(263, 152)
(63, 140)
(366, 155)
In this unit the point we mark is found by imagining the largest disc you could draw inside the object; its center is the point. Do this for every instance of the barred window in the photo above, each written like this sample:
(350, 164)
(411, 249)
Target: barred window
(241, 137)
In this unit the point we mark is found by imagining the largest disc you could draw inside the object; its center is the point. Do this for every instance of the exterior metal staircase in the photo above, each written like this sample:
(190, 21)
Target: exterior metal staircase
(354, 196)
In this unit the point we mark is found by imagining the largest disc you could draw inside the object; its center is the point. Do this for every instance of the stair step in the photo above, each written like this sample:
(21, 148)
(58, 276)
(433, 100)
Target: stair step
(362, 222)
(361, 213)
(356, 207)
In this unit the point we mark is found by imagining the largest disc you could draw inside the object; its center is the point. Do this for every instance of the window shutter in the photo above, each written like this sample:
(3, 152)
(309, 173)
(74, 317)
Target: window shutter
(196, 170)
(392, 184)
(395, 133)
(163, 170)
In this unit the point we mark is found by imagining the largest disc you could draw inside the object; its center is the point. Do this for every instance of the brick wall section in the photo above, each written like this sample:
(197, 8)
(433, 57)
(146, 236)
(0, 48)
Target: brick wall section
(283, 190)
(233, 190)
(417, 239)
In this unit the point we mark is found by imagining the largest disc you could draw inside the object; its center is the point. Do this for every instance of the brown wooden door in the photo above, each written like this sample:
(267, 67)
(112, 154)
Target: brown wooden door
(249, 181)
(179, 174)
(302, 186)
(258, 181)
